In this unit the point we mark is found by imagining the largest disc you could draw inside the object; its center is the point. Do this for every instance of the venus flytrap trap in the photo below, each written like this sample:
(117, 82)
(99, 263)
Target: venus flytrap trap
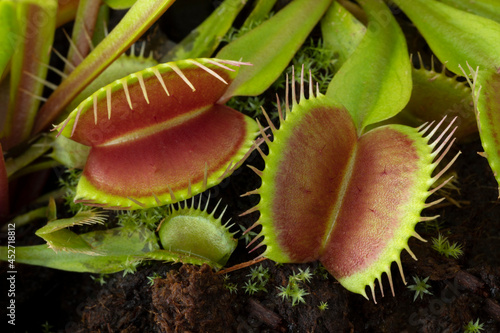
(321, 157)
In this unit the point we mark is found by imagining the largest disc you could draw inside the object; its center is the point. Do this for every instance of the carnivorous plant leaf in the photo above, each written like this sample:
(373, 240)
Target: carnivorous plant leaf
(115, 250)
(436, 95)
(341, 32)
(193, 232)
(137, 20)
(83, 29)
(350, 202)
(271, 46)
(7, 31)
(158, 136)
(36, 23)
(384, 47)
(486, 8)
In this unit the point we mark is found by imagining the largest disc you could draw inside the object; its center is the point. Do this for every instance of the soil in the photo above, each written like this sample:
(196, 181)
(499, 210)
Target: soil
(195, 299)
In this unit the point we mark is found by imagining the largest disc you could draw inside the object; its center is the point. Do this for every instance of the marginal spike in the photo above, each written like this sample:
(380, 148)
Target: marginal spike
(254, 169)
(172, 195)
(140, 78)
(434, 190)
(208, 70)
(136, 202)
(372, 288)
(66, 61)
(234, 63)
(256, 247)
(440, 158)
(389, 277)
(280, 113)
(55, 70)
(270, 123)
(256, 224)
(132, 50)
(427, 218)
(443, 133)
(220, 65)
(62, 127)
(181, 75)
(311, 92)
(263, 133)
(261, 153)
(417, 236)
(160, 78)
(317, 89)
(407, 248)
(294, 96)
(419, 128)
(88, 38)
(228, 170)
(73, 46)
(158, 202)
(256, 191)
(302, 96)
(398, 262)
(434, 130)
(142, 51)
(29, 93)
(249, 211)
(108, 100)
(380, 285)
(437, 150)
(42, 81)
(436, 177)
(95, 108)
(127, 94)
(287, 104)
(76, 119)
(430, 204)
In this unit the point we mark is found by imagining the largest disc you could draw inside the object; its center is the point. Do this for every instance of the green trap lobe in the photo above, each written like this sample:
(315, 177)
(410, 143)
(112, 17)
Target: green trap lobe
(129, 123)
(168, 158)
(381, 183)
(307, 179)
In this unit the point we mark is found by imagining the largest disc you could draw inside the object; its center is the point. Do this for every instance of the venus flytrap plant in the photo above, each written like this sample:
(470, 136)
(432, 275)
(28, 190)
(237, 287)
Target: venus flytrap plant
(131, 123)
(468, 44)
(352, 198)
(188, 235)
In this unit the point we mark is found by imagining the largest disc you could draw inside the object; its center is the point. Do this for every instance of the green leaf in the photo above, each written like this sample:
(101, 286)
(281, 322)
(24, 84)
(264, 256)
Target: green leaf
(486, 8)
(203, 40)
(260, 11)
(271, 46)
(83, 28)
(36, 26)
(118, 248)
(342, 32)
(456, 37)
(120, 4)
(7, 33)
(375, 82)
(59, 238)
